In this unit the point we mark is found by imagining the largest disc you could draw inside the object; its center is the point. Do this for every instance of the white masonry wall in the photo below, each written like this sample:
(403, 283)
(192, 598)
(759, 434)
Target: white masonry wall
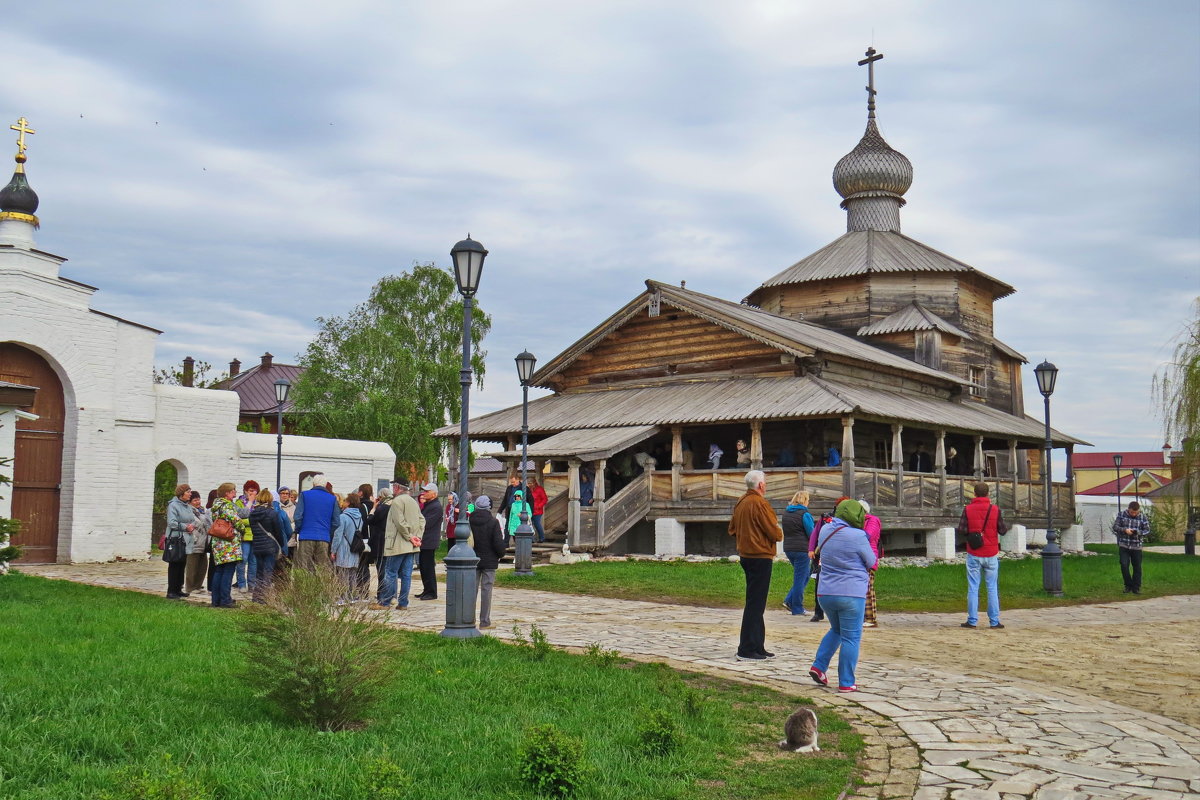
(120, 425)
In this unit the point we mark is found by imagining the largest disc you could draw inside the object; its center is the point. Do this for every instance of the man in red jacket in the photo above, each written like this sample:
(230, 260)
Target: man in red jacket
(982, 519)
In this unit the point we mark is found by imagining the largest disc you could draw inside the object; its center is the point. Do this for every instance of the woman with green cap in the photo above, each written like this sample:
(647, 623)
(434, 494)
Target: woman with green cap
(846, 560)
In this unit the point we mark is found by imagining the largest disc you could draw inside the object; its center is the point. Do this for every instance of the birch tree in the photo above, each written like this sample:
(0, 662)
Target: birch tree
(388, 371)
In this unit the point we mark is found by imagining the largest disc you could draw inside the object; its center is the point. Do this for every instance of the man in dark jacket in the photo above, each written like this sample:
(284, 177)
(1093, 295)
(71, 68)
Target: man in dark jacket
(431, 510)
(1131, 528)
(980, 516)
(490, 547)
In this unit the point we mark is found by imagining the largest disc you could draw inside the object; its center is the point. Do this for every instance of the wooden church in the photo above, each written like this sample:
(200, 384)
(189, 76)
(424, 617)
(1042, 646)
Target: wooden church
(868, 369)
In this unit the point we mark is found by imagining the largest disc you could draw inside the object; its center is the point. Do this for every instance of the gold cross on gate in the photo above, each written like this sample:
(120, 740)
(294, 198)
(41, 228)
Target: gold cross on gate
(22, 128)
(869, 61)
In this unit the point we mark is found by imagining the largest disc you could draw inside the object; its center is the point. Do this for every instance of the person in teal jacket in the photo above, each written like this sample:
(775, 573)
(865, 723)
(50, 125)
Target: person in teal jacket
(514, 514)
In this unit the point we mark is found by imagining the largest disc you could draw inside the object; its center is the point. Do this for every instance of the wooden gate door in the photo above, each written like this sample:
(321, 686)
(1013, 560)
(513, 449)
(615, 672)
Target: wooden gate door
(37, 472)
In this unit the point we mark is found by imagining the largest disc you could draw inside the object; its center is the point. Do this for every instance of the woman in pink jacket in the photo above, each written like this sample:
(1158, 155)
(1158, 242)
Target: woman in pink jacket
(874, 529)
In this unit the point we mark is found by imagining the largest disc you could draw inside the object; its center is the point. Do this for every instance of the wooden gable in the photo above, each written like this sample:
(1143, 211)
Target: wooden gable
(674, 345)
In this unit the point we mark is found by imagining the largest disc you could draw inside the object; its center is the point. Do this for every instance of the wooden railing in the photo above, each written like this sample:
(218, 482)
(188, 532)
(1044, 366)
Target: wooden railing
(604, 522)
(554, 518)
(921, 497)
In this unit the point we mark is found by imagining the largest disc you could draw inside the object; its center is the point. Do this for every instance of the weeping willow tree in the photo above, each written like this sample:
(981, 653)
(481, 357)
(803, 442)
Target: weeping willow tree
(1176, 391)
(389, 370)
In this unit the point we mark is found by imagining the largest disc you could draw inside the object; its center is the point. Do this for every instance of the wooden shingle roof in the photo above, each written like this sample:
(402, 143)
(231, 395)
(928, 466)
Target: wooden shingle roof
(708, 402)
(862, 252)
(913, 317)
(792, 336)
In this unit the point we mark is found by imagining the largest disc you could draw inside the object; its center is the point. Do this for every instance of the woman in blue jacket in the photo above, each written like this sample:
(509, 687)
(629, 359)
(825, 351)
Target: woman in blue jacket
(846, 561)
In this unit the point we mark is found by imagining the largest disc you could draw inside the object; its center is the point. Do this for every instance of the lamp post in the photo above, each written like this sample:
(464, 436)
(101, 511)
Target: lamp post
(1052, 577)
(524, 533)
(1189, 535)
(1137, 477)
(283, 388)
(1117, 459)
(468, 256)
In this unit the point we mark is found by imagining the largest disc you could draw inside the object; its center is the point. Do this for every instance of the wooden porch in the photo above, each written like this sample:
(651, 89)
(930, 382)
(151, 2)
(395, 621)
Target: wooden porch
(902, 500)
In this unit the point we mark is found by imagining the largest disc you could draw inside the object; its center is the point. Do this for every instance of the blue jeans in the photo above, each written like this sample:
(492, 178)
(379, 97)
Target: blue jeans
(264, 575)
(537, 526)
(990, 567)
(246, 567)
(222, 581)
(396, 566)
(800, 572)
(845, 631)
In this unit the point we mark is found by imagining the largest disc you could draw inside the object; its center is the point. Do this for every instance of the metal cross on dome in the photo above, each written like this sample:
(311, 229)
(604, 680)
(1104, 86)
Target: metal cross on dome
(22, 128)
(871, 58)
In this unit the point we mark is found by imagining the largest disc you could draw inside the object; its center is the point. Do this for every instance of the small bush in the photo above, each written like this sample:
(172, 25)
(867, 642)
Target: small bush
(318, 663)
(166, 781)
(601, 657)
(387, 780)
(540, 644)
(692, 701)
(551, 762)
(658, 735)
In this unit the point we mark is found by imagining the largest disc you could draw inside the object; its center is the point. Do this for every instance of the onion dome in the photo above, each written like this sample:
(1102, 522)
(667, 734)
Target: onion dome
(872, 178)
(18, 200)
(872, 167)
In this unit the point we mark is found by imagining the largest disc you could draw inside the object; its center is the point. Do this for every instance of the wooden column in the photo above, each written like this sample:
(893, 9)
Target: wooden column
(1013, 471)
(756, 458)
(848, 455)
(939, 466)
(676, 462)
(598, 496)
(978, 458)
(454, 465)
(573, 500)
(512, 443)
(898, 461)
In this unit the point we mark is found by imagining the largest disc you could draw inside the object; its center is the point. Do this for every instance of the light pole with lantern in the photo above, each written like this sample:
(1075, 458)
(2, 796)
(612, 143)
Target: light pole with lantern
(1117, 459)
(1052, 577)
(468, 256)
(1137, 477)
(283, 387)
(526, 361)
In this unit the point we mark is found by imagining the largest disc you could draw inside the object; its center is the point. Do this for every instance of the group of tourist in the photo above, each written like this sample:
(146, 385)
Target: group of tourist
(243, 539)
(841, 552)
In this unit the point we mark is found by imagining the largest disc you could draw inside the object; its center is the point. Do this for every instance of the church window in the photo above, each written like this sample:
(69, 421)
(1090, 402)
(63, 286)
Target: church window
(978, 377)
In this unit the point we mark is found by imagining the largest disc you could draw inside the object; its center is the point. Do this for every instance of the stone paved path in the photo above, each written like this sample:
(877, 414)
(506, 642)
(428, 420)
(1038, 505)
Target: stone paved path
(931, 734)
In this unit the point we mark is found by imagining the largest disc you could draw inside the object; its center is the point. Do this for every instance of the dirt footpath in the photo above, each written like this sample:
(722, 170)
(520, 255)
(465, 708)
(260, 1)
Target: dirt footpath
(1143, 654)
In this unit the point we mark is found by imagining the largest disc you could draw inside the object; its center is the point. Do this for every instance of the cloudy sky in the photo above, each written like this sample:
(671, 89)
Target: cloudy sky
(228, 171)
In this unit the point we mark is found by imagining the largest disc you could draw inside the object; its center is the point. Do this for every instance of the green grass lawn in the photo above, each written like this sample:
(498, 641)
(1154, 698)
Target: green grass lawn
(940, 587)
(99, 686)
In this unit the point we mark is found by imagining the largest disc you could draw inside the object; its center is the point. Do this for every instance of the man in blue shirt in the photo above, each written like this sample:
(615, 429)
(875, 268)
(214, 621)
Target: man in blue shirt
(316, 518)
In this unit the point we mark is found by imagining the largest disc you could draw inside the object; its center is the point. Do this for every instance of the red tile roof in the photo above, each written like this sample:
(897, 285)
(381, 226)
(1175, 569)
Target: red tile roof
(1142, 460)
(256, 387)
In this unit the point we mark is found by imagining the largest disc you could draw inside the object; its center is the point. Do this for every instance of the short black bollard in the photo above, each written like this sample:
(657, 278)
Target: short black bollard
(1189, 542)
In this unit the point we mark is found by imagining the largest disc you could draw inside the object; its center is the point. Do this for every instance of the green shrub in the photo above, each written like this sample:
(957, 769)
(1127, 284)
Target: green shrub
(692, 701)
(317, 662)
(540, 644)
(387, 780)
(551, 762)
(658, 734)
(166, 782)
(601, 657)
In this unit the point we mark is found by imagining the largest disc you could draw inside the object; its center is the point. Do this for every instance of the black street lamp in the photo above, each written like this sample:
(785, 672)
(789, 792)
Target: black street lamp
(526, 361)
(468, 256)
(283, 388)
(1137, 477)
(1117, 459)
(1052, 577)
(1189, 535)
